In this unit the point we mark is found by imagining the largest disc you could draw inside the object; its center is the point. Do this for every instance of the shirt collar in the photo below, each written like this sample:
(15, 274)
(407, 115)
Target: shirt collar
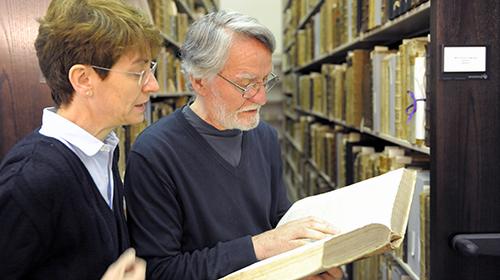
(56, 126)
(205, 128)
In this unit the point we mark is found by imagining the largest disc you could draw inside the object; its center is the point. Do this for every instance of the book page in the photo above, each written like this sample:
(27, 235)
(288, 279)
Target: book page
(354, 206)
(362, 211)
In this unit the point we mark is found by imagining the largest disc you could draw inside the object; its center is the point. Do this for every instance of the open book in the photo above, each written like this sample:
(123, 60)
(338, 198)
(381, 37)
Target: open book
(372, 216)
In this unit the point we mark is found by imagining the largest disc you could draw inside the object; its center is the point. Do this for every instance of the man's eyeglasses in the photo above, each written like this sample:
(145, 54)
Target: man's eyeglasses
(143, 77)
(251, 89)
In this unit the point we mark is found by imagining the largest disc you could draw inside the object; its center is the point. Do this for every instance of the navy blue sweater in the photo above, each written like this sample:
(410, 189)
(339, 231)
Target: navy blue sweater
(54, 223)
(191, 213)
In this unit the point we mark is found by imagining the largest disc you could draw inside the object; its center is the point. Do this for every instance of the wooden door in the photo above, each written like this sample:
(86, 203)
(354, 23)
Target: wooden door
(22, 94)
(465, 148)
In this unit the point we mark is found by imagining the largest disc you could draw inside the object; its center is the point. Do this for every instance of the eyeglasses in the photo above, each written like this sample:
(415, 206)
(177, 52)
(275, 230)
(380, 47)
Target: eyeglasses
(143, 77)
(251, 89)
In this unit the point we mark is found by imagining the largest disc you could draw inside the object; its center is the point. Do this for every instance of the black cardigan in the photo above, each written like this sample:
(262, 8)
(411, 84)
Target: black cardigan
(54, 223)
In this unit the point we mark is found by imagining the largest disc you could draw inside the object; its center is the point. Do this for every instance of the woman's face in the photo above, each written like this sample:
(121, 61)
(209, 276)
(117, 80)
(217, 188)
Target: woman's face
(122, 97)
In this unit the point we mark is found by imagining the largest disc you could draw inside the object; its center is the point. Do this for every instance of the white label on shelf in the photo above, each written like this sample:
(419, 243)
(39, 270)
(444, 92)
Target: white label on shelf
(464, 59)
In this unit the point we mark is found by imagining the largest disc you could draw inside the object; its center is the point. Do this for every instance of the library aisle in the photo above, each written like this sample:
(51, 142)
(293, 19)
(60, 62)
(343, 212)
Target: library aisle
(367, 87)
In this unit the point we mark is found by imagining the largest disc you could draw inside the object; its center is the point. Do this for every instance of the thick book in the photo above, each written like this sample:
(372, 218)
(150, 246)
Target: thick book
(371, 215)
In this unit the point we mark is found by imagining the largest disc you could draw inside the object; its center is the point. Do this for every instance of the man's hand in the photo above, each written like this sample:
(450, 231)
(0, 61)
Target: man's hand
(127, 267)
(333, 273)
(290, 235)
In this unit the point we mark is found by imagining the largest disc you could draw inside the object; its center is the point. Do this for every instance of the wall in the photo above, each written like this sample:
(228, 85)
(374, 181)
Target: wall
(22, 94)
(269, 13)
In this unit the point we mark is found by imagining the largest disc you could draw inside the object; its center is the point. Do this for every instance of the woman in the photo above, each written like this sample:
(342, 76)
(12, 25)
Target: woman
(61, 197)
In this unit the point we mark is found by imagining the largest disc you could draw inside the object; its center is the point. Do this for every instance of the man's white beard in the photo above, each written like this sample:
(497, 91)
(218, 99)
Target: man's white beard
(230, 120)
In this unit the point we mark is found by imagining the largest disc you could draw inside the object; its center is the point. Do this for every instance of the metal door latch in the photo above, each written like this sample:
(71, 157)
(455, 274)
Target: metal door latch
(479, 244)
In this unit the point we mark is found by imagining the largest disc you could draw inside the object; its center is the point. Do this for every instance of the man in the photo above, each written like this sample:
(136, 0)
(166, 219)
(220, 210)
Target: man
(204, 185)
(61, 196)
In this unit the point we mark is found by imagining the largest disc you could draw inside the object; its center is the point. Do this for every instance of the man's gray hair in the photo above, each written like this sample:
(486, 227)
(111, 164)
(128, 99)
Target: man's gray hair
(208, 40)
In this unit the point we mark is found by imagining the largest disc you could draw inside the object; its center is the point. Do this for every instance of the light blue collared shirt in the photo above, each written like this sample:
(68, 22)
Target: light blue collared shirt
(97, 156)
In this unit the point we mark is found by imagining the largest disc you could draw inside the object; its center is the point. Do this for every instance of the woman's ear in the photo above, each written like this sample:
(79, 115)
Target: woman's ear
(79, 77)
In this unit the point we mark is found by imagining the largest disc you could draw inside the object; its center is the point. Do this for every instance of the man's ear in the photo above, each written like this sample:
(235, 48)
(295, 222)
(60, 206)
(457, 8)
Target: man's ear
(199, 85)
(79, 77)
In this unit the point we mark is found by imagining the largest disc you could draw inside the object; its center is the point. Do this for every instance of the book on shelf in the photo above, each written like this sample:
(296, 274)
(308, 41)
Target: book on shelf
(414, 220)
(376, 13)
(363, 164)
(305, 92)
(318, 95)
(425, 215)
(352, 150)
(428, 57)
(362, 15)
(318, 39)
(380, 99)
(339, 91)
(393, 8)
(343, 139)
(182, 27)
(337, 22)
(392, 83)
(327, 25)
(356, 77)
(328, 89)
(351, 20)
(331, 156)
(384, 267)
(406, 5)
(412, 69)
(367, 96)
(371, 215)
(367, 269)
(417, 118)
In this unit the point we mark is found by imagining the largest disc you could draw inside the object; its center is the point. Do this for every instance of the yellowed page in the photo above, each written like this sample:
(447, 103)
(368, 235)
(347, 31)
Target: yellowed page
(354, 206)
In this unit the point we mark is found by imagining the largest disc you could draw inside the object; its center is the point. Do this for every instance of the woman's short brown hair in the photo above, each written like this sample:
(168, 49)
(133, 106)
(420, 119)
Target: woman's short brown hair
(89, 32)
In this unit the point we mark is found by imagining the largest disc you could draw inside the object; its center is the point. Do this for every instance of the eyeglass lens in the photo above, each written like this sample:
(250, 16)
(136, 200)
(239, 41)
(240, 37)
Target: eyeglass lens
(254, 88)
(146, 75)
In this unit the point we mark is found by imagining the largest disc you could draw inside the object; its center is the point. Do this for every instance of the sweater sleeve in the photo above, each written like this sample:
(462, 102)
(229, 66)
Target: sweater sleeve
(155, 220)
(19, 239)
(281, 201)
(24, 217)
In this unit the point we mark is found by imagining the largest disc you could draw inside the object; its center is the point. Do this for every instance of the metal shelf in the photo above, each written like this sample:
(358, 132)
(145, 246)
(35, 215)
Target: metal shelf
(322, 174)
(288, 46)
(291, 115)
(292, 189)
(292, 141)
(403, 265)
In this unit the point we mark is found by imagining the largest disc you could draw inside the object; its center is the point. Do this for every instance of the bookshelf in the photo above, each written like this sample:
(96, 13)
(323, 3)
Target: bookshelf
(388, 138)
(172, 17)
(308, 116)
(413, 23)
(170, 42)
(311, 11)
(461, 115)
